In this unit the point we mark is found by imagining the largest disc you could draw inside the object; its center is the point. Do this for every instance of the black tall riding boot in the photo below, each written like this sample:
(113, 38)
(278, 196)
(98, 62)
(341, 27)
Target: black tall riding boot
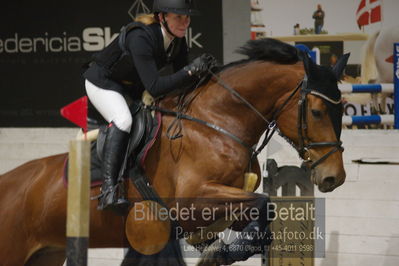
(113, 155)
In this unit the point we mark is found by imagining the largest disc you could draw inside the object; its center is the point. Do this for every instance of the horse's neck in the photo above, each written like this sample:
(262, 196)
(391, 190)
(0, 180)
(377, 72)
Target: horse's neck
(259, 83)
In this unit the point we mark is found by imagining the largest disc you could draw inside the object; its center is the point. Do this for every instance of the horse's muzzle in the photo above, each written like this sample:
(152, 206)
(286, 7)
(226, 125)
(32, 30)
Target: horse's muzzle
(328, 184)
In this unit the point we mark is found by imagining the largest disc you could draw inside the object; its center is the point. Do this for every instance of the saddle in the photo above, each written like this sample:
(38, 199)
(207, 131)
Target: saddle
(145, 129)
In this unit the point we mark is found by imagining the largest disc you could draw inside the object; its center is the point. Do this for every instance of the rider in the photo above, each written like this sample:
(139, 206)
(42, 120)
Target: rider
(110, 76)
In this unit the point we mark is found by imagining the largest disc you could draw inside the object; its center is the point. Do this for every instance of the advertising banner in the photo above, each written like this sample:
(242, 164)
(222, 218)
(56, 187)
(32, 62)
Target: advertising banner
(44, 45)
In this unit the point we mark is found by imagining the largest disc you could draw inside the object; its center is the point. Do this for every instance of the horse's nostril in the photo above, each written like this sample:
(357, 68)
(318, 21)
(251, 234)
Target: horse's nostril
(329, 181)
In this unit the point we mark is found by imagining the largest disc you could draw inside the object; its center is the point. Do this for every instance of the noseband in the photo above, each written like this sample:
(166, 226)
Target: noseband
(305, 144)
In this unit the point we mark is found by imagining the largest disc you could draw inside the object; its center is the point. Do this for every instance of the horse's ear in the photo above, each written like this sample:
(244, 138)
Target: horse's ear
(340, 66)
(307, 63)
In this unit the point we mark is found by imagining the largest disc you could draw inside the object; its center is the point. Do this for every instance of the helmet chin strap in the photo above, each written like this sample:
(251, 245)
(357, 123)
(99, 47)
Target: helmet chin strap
(166, 26)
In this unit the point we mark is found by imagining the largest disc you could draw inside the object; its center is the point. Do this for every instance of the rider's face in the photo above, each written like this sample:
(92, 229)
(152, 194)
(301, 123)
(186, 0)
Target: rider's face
(178, 24)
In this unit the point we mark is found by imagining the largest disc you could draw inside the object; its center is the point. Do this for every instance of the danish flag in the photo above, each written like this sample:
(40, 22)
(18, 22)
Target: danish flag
(369, 11)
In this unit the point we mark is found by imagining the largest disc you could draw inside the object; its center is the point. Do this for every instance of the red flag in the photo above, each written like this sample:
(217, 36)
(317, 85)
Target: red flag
(375, 14)
(76, 112)
(369, 11)
(363, 19)
(389, 59)
(361, 6)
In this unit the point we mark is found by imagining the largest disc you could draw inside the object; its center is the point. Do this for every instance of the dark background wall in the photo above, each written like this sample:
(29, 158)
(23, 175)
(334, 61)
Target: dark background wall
(44, 44)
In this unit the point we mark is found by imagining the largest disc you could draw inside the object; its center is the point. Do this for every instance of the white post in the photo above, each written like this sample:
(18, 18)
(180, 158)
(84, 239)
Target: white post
(78, 208)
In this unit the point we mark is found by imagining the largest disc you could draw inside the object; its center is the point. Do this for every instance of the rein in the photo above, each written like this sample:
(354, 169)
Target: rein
(180, 115)
(271, 125)
(252, 149)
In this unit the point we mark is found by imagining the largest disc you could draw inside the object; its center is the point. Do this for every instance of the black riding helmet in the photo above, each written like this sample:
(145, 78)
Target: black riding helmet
(182, 7)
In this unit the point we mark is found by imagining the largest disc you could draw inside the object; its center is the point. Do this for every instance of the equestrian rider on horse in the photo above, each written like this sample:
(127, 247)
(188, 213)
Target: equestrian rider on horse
(131, 66)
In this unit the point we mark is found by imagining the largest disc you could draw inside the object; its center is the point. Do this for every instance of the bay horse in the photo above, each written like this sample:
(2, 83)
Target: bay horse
(275, 84)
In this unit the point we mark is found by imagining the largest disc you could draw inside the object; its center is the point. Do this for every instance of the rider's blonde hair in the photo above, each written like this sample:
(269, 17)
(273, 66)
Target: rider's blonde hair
(146, 19)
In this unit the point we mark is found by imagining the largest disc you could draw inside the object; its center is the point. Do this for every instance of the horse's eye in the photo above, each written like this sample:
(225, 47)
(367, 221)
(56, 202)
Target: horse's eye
(316, 113)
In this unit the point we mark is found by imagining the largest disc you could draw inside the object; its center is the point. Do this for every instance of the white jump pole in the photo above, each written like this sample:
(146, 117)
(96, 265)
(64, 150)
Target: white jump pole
(377, 88)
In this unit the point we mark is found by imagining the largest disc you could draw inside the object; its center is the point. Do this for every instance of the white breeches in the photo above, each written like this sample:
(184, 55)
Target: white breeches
(111, 105)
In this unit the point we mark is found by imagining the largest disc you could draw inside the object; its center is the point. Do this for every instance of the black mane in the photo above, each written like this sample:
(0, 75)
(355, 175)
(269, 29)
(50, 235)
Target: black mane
(320, 78)
(268, 49)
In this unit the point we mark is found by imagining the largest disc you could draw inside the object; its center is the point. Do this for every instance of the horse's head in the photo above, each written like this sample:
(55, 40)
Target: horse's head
(314, 125)
(271, 74)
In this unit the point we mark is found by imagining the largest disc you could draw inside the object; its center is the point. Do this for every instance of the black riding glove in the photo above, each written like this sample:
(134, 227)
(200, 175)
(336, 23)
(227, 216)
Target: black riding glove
(200, 65)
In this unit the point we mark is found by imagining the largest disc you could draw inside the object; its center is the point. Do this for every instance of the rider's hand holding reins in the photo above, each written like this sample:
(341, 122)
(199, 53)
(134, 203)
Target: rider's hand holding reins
(200, 65)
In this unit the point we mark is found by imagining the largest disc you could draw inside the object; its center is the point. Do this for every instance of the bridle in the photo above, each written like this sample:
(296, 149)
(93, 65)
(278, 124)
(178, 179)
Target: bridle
(304, 144)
